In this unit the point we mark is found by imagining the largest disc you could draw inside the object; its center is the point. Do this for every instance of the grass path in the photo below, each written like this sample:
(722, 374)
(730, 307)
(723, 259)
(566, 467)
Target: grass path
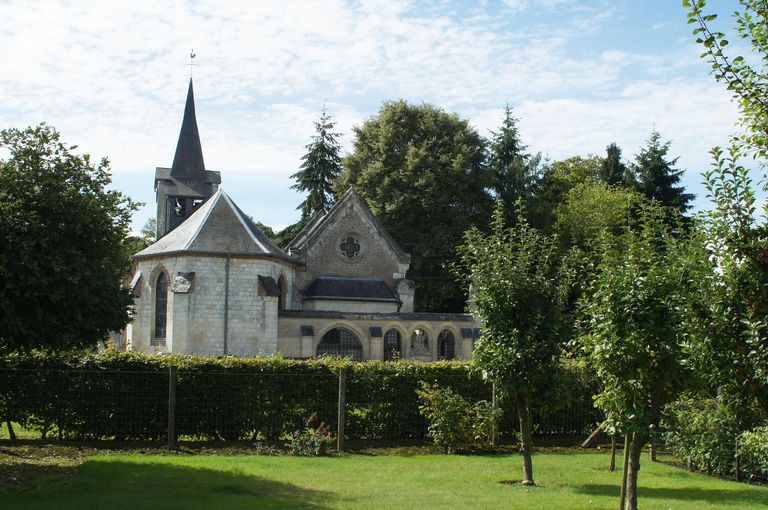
(567, 481)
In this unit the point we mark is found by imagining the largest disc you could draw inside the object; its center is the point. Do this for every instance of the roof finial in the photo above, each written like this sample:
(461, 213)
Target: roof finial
(192, 56)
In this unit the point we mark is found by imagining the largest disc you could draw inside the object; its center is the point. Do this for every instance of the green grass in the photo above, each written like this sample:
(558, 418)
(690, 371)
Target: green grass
(567, 481)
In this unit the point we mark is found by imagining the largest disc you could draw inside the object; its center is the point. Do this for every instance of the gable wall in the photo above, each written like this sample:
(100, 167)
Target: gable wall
(324, 257)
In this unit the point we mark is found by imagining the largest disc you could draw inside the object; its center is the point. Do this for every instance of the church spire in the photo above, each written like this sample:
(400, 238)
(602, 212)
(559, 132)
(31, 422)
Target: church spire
(188, 162)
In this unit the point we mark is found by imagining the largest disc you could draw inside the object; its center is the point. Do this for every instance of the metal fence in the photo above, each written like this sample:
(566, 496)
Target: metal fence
(188, 405)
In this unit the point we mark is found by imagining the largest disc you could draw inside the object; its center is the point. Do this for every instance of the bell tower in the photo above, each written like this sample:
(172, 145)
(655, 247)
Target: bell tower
(183, 188)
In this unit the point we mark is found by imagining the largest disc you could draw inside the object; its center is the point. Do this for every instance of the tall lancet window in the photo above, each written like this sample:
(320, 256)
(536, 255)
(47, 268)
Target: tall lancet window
(161, 307)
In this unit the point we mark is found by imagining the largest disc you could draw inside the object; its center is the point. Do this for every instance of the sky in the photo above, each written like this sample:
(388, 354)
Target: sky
(112, 78)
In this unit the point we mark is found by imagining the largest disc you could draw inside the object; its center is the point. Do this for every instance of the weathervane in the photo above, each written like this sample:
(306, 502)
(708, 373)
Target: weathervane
(192, 56)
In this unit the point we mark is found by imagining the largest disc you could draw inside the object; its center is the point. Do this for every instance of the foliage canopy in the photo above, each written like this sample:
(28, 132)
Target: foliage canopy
(62, 257)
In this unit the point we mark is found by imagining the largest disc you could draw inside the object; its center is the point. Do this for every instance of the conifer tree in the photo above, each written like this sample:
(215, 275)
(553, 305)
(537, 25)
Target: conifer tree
(320, 168)
(516, 172)
(657, 177)
(612, 170)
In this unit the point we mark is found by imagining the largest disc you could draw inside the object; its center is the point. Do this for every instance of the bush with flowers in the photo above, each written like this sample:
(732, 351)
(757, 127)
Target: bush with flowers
(313, 440)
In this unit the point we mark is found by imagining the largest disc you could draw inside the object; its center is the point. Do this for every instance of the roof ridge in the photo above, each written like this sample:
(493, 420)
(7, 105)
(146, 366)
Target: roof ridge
(213, 201)
(244, 224)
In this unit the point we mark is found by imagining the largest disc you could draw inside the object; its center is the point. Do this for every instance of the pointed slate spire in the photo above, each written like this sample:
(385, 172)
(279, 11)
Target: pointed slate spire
(188, 165)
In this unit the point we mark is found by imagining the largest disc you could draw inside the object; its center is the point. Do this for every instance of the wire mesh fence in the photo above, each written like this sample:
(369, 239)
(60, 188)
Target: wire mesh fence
(231, 406)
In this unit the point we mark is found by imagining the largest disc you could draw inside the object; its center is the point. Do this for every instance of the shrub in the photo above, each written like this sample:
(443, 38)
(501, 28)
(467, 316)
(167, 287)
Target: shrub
(702, 432)
(314, 440)
(753, 453)
(124, 396)
(455, 424)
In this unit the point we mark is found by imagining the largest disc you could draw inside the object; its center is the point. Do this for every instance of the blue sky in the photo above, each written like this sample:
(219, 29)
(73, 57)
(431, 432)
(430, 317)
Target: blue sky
(112, 77)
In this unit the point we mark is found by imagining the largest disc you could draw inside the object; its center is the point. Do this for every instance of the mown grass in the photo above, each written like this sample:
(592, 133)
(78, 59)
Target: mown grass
(567, 481)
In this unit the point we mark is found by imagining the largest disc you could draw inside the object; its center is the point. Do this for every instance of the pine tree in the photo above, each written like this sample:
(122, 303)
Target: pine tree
(657, 177)
(320, 168)
(613, 171)
(516, 173)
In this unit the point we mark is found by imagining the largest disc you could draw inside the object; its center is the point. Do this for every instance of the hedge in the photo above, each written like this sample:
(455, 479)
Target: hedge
(124, 396)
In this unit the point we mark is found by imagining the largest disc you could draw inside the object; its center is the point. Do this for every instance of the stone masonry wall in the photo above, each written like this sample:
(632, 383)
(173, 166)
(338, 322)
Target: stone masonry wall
(324, 256)
(196, 318)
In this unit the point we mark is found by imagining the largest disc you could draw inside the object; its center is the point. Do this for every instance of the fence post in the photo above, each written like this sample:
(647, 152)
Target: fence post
(342, 409)
(171, 407)
(737, 466)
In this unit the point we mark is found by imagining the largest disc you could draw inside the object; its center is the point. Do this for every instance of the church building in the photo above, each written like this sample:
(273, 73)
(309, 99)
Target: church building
(214, 284)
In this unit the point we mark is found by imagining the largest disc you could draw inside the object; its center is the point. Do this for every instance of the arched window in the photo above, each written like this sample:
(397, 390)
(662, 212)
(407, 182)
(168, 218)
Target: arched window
(340, 342)
(445, 348)
(161, 306)
(392, 347)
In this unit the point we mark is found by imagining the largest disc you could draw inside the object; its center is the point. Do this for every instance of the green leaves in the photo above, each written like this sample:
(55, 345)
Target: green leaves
(62, 259)
(634, 317)
(518, 286)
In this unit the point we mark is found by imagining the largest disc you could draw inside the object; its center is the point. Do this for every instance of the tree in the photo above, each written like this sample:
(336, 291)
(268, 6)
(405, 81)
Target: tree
(515, 172)
(658, 179)
(636, 325)
(62, 258)
(135, 243)
(747, 81)
(732, 329)
(422, 172)
(557, 180)
(320, 168)
(612, 170)
(588, 209)
(732, 332)
(518, 288)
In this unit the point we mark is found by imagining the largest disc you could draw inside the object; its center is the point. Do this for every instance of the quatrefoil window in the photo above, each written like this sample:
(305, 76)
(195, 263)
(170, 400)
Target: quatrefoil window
(350, 247)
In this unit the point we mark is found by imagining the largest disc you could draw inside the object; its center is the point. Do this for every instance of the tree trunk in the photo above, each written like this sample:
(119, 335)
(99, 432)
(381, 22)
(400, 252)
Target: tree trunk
(635, 450)
(11, 432)
(525, 438)
(613, 453)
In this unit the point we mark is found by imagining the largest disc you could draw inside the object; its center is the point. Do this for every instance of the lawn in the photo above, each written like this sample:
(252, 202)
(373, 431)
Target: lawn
(567, 481)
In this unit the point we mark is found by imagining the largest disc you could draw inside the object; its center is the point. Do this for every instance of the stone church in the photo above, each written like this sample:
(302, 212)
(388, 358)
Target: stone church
(214, 284)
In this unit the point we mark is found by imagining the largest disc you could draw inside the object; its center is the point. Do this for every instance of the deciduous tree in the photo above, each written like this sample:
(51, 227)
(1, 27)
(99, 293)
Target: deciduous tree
(636, 325)
(519, 287)
(62, 258)
(422, 172)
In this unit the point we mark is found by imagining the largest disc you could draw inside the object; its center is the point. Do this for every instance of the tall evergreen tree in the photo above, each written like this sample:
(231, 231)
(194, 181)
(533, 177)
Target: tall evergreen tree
(516, 173)
(612, 170)
(657, 177)
(320, 168)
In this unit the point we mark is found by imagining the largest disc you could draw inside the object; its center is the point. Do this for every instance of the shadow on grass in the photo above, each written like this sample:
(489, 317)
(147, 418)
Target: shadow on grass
(729, 496)
(137, 485)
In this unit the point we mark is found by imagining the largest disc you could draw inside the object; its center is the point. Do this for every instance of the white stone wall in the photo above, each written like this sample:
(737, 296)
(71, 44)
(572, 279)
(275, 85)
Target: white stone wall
(196, 318)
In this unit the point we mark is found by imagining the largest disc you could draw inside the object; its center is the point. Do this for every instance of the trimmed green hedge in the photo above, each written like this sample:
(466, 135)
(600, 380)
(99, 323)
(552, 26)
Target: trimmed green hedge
(125, 396)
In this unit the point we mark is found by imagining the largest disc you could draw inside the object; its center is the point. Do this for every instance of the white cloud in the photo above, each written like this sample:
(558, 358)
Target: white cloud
(112, 76)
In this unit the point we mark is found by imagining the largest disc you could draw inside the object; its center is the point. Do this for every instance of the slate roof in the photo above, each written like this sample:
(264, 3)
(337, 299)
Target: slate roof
(187, 173)
(217, 227)
(321, 219)
(350, 288)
